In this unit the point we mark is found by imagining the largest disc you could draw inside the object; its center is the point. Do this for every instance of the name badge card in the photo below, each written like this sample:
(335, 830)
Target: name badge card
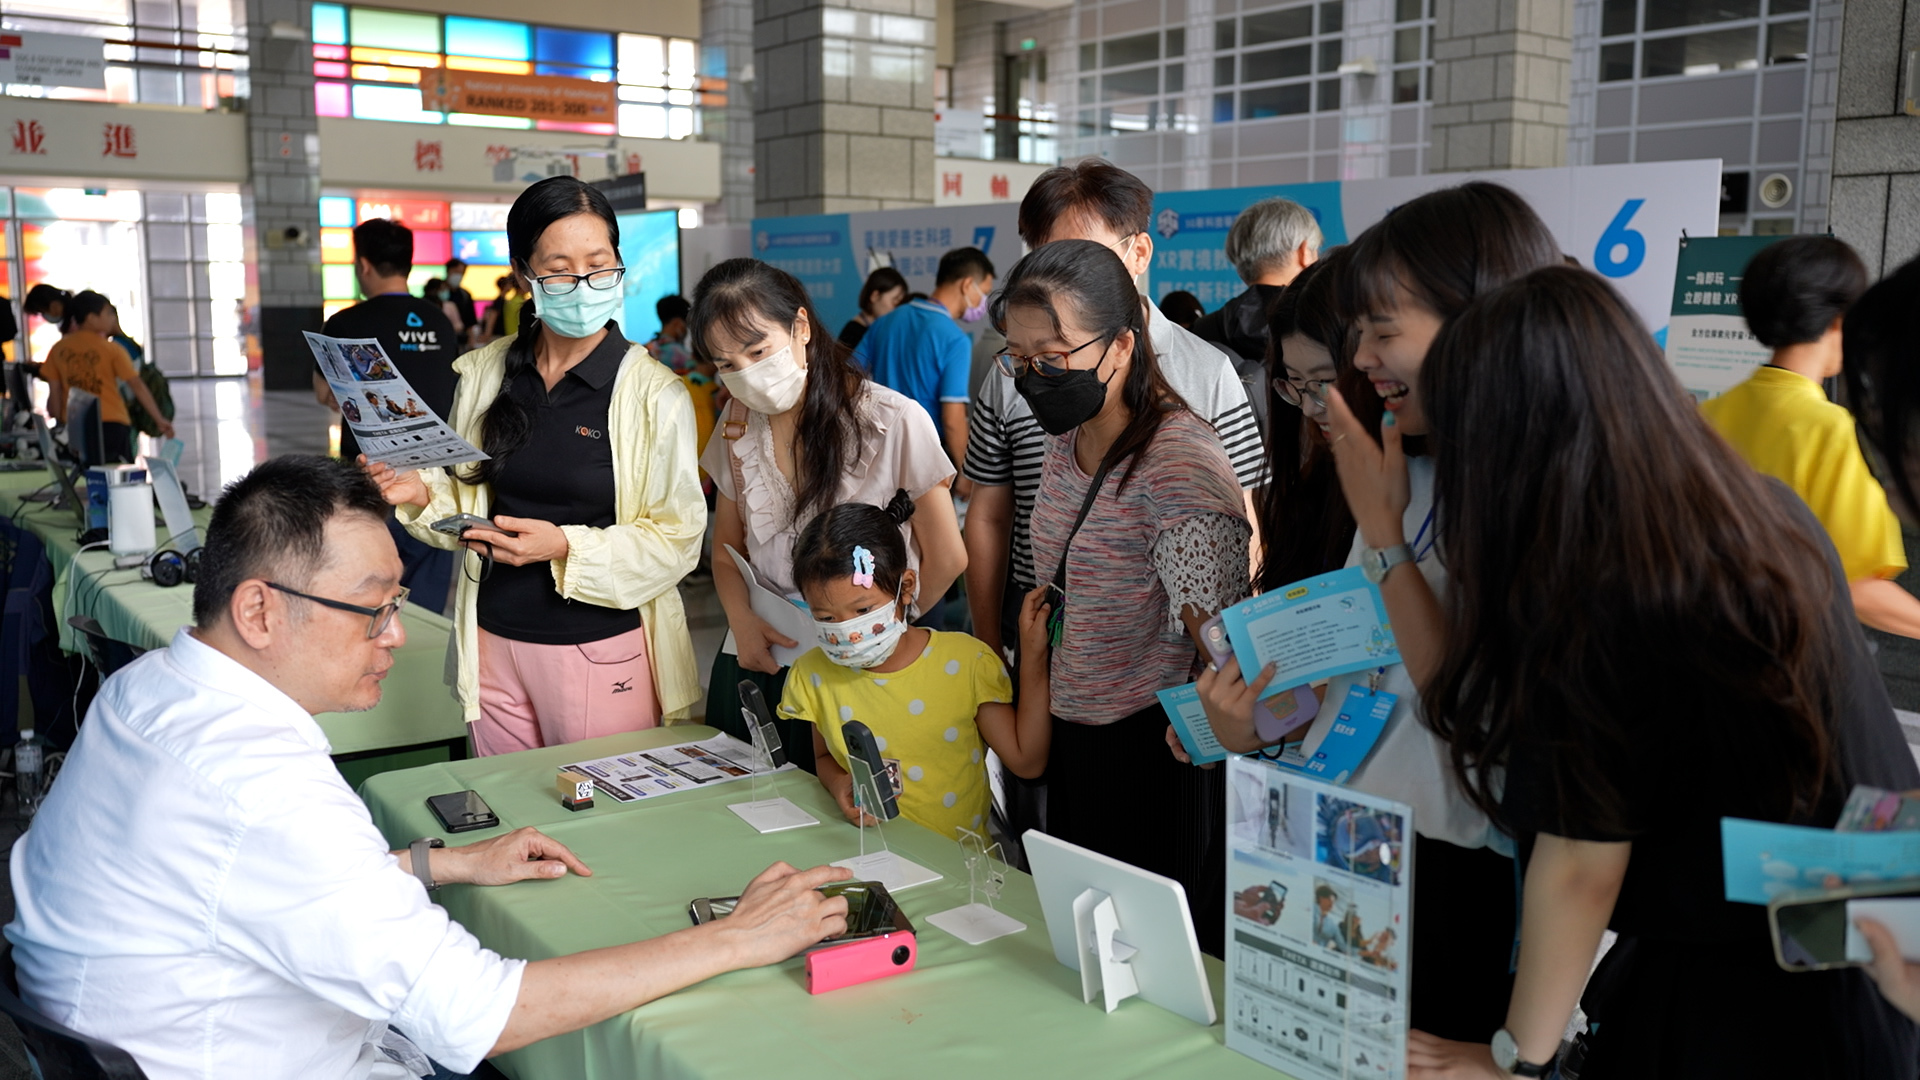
(1312, 630)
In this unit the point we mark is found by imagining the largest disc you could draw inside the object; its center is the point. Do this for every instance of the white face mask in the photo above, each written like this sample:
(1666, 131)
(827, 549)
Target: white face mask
(771, 386)
(863, 641)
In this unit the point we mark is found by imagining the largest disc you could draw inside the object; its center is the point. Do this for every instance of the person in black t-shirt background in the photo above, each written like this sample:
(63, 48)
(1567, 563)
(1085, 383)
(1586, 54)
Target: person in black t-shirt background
(422, 344)
(462, 302)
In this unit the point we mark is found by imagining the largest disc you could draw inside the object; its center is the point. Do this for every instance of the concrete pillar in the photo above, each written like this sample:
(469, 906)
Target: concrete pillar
(726, 44)
(843, 105)
(1501, 80)
(1875, 198)
(282, 197)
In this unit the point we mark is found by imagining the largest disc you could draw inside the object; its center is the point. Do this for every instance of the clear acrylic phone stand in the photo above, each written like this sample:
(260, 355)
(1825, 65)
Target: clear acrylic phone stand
(883, 866)
(767, 812)
(977, 922)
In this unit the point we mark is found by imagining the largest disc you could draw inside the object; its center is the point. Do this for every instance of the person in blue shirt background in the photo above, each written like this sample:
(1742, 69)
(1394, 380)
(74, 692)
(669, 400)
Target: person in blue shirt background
(920, 349)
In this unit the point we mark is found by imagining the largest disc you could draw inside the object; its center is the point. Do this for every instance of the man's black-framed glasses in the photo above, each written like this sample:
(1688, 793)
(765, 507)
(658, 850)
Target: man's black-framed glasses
(1297, 394)
(599, 280)
(1048, 364)
(378, 618)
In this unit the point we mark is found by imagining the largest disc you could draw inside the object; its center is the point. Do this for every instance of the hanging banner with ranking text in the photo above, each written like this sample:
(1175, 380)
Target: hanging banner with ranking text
(1708, 343)
(1622, 221)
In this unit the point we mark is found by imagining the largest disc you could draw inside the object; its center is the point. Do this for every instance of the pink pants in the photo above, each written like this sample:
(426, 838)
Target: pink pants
(545, 695)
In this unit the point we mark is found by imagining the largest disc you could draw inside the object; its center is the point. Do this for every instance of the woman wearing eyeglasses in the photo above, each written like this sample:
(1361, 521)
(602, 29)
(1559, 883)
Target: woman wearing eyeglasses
(1138, 532)
(568, 622)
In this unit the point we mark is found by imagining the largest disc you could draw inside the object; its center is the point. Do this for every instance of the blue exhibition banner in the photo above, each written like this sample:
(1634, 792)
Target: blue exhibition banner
(1190, 235)
(817, 249)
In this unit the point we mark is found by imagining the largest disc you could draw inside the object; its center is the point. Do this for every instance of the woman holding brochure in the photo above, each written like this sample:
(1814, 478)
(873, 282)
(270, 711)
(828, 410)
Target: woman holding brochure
(807, 430)
(1139, 531)
(1405, 278)
(1670, 643)
(568, 619)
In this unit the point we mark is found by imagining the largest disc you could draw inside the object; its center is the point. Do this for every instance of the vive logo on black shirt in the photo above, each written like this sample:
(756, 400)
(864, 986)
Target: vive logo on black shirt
(417, 340)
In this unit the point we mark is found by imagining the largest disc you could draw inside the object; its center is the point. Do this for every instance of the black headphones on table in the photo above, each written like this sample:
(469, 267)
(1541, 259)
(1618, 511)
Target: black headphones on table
(167, 567)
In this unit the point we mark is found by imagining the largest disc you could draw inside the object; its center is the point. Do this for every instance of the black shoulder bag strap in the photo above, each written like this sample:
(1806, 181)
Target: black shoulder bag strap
(1057, 589)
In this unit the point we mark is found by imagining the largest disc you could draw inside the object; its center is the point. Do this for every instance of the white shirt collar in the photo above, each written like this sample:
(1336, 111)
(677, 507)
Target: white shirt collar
(209, 666)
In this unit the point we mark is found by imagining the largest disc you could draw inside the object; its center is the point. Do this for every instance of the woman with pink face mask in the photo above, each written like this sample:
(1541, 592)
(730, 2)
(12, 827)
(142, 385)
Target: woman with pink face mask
(806, 431)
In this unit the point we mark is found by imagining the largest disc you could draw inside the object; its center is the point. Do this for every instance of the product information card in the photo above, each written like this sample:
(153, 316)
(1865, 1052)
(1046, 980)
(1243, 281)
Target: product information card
(1312, 630)
(1319, 891)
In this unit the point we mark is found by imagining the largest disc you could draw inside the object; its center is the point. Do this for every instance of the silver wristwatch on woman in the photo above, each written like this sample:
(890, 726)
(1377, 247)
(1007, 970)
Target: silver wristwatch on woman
(1506, 1057)
(1375, 563)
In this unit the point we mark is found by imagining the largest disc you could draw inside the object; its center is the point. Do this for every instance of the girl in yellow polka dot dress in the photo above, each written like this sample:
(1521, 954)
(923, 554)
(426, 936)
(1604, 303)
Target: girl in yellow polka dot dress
(935, 700)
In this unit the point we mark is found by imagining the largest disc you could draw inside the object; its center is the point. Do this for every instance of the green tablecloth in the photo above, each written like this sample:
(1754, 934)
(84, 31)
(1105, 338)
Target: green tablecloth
(1004, 1008)
(415, 704)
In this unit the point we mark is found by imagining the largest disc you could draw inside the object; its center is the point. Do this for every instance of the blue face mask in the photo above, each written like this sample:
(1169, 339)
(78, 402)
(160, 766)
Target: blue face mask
(580, 313)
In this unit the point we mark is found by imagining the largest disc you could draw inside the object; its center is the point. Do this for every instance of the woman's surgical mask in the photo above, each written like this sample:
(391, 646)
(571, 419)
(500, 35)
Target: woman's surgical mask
(770, 386)
(580, 313)
(863, 641)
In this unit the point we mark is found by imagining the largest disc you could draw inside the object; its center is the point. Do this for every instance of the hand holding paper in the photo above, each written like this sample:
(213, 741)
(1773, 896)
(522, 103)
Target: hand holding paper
(781, 614)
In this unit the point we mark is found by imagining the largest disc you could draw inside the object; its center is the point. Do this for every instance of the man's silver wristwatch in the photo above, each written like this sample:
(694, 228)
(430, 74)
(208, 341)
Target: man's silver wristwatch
(1376, 562)
(1506, 1057)
(422, 865)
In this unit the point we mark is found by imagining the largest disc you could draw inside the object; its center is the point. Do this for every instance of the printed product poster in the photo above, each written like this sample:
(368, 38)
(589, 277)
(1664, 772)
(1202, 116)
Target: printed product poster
(664, 770)
(1319, 891)
(387, 417)
(1708, 343)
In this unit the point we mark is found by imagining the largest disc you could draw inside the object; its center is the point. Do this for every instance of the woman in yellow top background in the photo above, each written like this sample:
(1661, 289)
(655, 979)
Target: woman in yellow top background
(86, 360)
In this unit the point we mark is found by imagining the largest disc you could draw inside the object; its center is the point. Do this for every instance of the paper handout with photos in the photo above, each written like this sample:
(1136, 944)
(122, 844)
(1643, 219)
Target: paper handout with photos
(388, 418)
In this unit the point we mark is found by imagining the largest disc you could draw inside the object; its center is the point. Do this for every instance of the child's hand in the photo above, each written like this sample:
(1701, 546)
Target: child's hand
(842, 791)
(1034, 639)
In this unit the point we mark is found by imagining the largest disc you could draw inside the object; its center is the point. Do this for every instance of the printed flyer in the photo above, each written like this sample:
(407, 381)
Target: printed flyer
(667, 769)
(1319, 898)
(385, 414)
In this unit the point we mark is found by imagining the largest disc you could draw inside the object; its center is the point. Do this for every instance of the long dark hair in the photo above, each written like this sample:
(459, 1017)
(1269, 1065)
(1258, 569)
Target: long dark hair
(824, 550)
(504, 427)
(739, 298)
(1445, 248)
(1091, 282)
(1305, 525)
(1618, 574)
(1883, 379)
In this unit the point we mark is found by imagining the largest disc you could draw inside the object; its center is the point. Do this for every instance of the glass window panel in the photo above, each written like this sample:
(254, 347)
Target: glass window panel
(1330, 56)
(330, 99)
(1277, 64)
(1133, 116)
(1616, 61)
(393, 29)
(1700, 54)
(337, 283)
(1177, 42)
(329, 24)
(1130, 50)
(336, 245)
(382, 73)
(1786, 7)
(514, 123)
(395, 58)
(585, 48)
(1223, 34)
(679, 123)
(1223, 108)
(224, 208)
(1089, 57)
(1666, 14)
(1406, 10)
(372, 102)
(1333, 16)
(336, 212)
(1618, 17)
(1276, 101)
(1406, 85)
(1329, 95)
(489, 37)
(1223, 71)
(498, 67)
(1126, 84)
(1088, 90)
(681, 63)
(1281, 25)
(1176, 78)
(643, 60)
(574, 71)
(1787, 42)
(1406, 44)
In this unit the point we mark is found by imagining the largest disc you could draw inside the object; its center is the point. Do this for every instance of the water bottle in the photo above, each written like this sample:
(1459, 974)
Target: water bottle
(29, 757)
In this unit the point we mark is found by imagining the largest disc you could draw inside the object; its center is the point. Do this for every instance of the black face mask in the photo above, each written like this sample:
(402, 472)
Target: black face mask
(1063, 402)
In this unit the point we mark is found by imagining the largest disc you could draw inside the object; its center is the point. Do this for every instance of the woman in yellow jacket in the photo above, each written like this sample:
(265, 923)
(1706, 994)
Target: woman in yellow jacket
(568, 621)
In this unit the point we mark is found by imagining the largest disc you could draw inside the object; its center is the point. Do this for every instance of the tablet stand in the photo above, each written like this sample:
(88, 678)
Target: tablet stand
(1105, 966)
(883, 866)
(977, 922)
(767, 812)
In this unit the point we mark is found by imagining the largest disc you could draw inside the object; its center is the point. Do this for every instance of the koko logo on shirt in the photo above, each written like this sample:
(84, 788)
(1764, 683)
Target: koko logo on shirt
(591, 433)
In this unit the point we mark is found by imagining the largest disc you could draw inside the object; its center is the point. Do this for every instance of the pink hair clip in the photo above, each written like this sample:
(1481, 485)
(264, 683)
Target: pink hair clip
(863, 567)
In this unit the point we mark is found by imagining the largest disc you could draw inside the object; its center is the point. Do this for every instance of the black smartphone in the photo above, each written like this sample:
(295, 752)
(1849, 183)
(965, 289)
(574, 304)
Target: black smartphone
(862, 749)
(460, 523)
(871, 910)
(462, 811)
(753, 710)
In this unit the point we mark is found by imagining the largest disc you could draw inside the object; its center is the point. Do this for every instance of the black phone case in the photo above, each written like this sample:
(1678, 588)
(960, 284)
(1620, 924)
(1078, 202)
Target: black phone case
(462, 811)
(754, 704)
(860, 744)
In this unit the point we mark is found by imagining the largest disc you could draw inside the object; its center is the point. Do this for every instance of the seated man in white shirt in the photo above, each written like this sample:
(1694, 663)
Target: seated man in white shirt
(203, 890)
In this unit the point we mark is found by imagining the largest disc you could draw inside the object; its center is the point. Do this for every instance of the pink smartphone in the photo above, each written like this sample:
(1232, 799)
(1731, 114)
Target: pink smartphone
(1275, 715)
(861, 961)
